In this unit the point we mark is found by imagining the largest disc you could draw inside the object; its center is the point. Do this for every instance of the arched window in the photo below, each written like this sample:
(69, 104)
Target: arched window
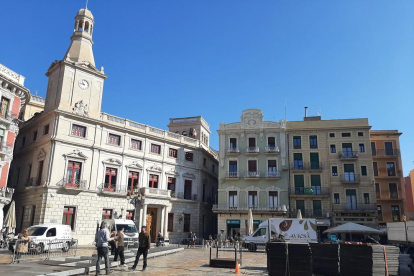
(80, 25)
(86, 26)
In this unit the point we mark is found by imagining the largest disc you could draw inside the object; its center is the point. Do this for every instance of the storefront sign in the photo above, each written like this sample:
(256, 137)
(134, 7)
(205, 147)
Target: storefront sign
(233, 221)
(255, 222)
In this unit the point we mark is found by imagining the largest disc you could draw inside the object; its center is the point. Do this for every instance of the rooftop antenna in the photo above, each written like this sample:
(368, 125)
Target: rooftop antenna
(36, 92)
(86, 7)
(319, 111)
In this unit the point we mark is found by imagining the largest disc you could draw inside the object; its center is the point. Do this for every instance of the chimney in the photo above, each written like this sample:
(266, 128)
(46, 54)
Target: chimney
(306, 111)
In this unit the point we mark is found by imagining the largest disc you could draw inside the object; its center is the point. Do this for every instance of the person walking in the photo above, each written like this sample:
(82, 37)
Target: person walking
(143, 249)
(120, 248)
(101, 239)
(190, 239)
(22, 243)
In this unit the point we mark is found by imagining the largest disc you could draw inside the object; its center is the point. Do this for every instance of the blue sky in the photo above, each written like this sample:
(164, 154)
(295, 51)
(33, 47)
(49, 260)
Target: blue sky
(351, 58)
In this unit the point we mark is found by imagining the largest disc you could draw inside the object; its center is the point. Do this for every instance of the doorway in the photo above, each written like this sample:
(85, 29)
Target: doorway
(152, 225)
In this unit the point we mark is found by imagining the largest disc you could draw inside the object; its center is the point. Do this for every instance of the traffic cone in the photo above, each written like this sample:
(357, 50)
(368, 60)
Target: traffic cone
(237, 271)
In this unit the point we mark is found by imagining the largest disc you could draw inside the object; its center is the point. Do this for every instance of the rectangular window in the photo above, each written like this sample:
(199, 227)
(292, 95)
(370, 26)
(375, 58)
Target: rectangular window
(313, 142)
(299, 184)
(79, 131)
(73, 173)
(23, 141)
(189, 156)
(69, 216)
(389, 150)
(393, 190)
(271, 142)
(273, 200)
(110, 179)
(314, 161)
(35, 135)
(153, 181)
(297, 142)
(360, 134)
(4, 108)
(377, 190)
(204, 161)
(349, 173)
(155, 149)
(364, 170)
(332, 135)
(347, 150)
(39, 173)
(170, 227)
(300, 205)
(334, 171)
(346, 134)
(252, 197)
(333, 149)
(366, 198)
(187, 189)
(252, 166)
(130, 214)
(395, 212)
(136, 144)
(361, 148)
(379, 213)
(233, 143)
(173, 153)
(132, 181)
(351, 200)
(390, 168)
(107, 214)
(373, 149)
(233, 168)
(375, 165)
(213, 168)
(171, 183)
(336, 198)
(297, 161)
(233, 202)
(271, 167)
(186, 222)
(317, 208)
(46, 130)
(114, 139)
(252, 142)
(316, 184)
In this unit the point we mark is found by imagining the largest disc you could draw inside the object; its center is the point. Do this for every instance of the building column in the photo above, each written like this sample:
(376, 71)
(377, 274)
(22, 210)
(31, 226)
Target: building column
(1, 216)
(144, 216)
(139, 209)
(165, 221)
(162, 220)
(83, 26)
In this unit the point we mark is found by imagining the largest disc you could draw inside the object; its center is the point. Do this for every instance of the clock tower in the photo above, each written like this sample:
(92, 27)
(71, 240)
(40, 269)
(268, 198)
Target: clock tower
(75, 84)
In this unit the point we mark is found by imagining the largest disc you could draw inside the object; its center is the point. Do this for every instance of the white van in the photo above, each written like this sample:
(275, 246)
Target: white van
(130, 232)
(292, 230)
(49, 237)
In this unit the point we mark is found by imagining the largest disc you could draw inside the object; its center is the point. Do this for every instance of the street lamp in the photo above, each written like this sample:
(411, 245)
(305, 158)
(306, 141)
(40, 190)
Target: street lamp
(181, 218)
(136, 197)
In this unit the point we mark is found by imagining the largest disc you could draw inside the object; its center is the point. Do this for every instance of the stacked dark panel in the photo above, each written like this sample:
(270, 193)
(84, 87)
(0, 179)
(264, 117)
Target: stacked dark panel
(293, 259)
(325, 259)
(355, 260)
(378, 256)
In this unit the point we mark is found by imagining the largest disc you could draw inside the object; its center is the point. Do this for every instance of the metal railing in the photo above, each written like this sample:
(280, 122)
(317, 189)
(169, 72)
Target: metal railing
(246, 207)
(354, 207)
(232, 175)
(315, 166)
(33, 182)
(43, 249)
(273, 174)
(314, 190)
(350, 178)
(310, 213)
(298, 165)
(181, 195)
(348, 154)
(72, 183)
(155, 191)
(112, 189)
(386, 152)
(252, 150)
(233, 150)
(272, 149)
(252, 175)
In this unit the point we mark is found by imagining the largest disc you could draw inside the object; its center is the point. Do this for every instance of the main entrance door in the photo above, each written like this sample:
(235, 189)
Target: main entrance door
(152, 223)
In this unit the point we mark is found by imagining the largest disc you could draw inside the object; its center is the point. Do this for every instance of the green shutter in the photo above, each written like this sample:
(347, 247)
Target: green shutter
(315, 180)
(299, 181)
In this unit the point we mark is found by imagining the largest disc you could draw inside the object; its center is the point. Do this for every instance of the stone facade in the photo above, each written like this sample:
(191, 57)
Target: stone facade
(77, 165)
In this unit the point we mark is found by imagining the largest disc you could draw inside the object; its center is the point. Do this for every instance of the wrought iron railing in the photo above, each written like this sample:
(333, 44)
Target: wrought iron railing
(354, 207)
(232, 175)
(273, 174)
(252, 174)
(310, 213)
(314, 190)
(298, 165)
(155, 191)
(72, 183)
(233, 150)
(246, 207)
(272, 149)
(350, 178)
(252, 150)
(33, 182)
(385, 152)
(348, 154)
(110, 188)
(314, 166)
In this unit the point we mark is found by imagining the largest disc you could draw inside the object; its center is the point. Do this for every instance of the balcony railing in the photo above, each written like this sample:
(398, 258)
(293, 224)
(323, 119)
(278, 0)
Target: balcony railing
(315, 190)
(252, 175)
(75, 184)
(252, 150)
(111, 189)
(155, 191)
(181, 195)
(246, 207)
(33, 182)
(344, 155)
(315, 166)
(354, 207)
(394, 195)
(233, 150)
(272, 174)
(272, 149)
(298, 166)
(350, 178)
(385, 152)
(9, 116)
(235, 175)
(6, 192)
(310, 213)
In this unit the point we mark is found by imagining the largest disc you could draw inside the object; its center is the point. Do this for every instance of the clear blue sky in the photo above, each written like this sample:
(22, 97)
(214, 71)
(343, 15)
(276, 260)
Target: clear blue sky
(214, 58)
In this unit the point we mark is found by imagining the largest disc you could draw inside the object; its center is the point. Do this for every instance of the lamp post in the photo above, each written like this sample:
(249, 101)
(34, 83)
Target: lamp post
(135, 198)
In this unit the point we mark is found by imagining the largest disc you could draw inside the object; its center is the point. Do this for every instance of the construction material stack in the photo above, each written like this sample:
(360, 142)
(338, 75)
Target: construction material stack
(294, 259)
(325, 259)
(393, 261)
(356, 260)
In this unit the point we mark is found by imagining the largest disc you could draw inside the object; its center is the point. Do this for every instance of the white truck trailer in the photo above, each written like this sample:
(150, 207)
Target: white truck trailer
(401, 234)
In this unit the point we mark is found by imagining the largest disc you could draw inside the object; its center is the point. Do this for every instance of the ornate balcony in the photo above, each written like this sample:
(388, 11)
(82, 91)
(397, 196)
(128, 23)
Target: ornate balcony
(233, 151)
(272, 150)
(348, 155)
(315, 191)
(252, 175)
(245, 208)
(148, 192)
(350, 178)
(33, 182)
(114, 190)
(232, 175)
(272, 175)
(252, 150)
(9, 117)
(73, 184)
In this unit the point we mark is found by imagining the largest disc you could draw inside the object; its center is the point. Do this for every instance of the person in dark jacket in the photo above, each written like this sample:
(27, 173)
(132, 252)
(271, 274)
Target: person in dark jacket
(143, 249)
(120, 248)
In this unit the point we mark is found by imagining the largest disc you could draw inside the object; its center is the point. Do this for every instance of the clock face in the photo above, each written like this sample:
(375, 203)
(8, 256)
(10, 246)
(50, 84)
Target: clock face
(83, 84)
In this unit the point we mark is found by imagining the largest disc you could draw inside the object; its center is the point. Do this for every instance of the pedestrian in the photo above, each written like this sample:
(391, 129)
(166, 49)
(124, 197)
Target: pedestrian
(101, 239)
(113, 243)
(143, 249)
(194, 238)
(190, 238)
(22, 245)
(120, 248)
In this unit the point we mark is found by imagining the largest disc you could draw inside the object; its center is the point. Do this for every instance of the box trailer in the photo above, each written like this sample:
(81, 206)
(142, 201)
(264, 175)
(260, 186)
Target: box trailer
(401, 234)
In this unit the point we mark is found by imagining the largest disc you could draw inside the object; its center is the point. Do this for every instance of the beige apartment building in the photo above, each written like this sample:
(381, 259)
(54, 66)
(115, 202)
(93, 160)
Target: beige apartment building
(331, 171)
(32, 108)
(389, 177)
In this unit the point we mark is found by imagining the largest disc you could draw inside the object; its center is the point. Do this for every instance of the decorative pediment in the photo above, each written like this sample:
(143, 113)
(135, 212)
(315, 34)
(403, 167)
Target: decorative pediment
(273, 188)
(41, 154)
(253, 188)
(155, 168)
(172, 172)
(134, 165)
(112, 161)
(233, 188)
(189, 175)
(76, 154)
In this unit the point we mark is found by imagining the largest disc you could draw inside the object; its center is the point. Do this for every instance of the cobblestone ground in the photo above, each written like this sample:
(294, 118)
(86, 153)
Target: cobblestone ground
(195, 262)
(6, 257)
